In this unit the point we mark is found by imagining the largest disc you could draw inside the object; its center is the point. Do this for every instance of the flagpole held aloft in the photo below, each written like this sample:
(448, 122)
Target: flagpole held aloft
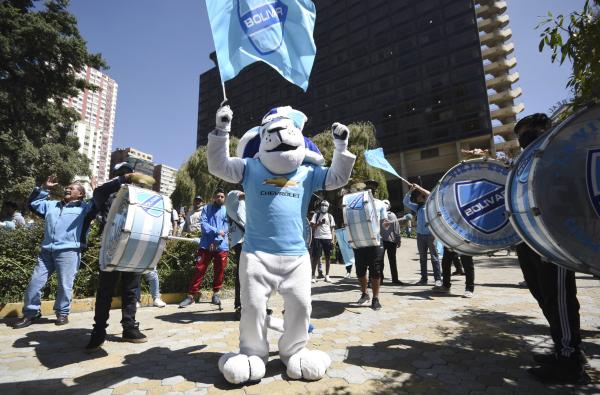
(224, 94)
(376, 158)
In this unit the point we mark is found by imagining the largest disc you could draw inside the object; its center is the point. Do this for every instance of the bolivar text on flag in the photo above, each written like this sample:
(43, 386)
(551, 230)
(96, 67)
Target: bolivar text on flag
(277, 32)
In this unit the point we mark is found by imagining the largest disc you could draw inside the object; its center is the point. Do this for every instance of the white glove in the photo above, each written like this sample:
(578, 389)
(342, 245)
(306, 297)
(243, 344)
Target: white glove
(340, 136)
(223, 119)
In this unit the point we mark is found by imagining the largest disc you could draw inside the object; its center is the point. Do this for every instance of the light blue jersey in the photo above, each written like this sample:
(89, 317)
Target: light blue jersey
(276, 224)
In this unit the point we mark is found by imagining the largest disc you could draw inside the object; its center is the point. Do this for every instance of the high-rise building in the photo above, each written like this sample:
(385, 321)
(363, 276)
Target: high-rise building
(412, 68)
(140, 161)
(96, 127)
(165, 179)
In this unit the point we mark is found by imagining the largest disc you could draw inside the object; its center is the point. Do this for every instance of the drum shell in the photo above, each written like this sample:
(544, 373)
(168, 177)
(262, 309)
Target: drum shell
(360, 219)
(549, 193)
(446, 216)
(136, 231)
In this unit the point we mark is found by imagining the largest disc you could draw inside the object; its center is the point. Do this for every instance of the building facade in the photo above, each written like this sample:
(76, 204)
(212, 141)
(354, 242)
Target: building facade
(96, 128)
(165, 179)
(414, 69)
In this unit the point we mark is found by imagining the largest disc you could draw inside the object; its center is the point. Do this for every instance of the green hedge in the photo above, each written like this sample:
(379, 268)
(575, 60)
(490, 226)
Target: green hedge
(18, 255)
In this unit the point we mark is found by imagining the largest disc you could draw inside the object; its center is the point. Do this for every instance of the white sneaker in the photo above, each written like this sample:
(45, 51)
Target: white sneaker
(347, 275)
(187, 301)
(159, 303)
(468, 294)
(327, 280)
(314, 280)
(137, 305)
(438, 283)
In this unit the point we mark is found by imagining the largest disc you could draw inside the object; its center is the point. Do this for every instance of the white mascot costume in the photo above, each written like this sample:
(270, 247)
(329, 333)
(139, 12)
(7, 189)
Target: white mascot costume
(278, 181)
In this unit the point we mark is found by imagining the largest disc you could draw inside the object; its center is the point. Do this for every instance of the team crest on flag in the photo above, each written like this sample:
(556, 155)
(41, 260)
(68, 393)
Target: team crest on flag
(481, 204)
(263, 23)
(593, 178)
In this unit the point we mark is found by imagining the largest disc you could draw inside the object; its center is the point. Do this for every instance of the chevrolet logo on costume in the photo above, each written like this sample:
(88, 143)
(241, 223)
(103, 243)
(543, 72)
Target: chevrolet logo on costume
(280, 182)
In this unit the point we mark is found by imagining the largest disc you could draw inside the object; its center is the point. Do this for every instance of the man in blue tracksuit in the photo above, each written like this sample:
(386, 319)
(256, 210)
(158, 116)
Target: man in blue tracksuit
(425, 240)
(66, 223)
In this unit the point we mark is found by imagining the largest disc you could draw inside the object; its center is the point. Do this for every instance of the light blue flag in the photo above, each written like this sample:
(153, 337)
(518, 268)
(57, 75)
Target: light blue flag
(376, 158)
(347, 253)
(277, 32)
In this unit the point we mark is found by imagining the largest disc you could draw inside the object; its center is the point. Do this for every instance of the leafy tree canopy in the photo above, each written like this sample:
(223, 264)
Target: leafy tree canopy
(41, 51)
(576, 37)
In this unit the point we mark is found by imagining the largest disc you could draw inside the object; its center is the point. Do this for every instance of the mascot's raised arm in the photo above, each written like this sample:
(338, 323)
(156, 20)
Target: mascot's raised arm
(279, 169)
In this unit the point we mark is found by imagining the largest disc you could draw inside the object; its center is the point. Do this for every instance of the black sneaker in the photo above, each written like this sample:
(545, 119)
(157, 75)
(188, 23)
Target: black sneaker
(133, 335)
(546, 359)
(422, 281)
(364, 300)
(216, 299)
(564, 370)
(61, 320)
(97, 339)
(375, 305)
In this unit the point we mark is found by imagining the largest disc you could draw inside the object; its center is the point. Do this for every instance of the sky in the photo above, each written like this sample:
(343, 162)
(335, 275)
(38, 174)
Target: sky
(157, 49)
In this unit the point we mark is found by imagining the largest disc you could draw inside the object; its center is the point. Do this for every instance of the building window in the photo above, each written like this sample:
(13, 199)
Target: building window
(430, 153)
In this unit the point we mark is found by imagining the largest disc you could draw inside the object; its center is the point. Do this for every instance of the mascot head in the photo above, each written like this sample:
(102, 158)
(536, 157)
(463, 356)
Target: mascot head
(279, 143)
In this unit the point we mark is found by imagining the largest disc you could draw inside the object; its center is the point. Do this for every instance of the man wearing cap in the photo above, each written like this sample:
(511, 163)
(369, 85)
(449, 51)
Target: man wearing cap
(323, 226)
(390, 236)
(192, 222)
(130, 281)
(371, 258)
(555, 290)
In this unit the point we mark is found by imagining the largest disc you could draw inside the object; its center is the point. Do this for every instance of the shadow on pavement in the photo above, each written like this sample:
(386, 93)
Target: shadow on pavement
(58, 348)
(489, 349)
(327, 309)
(189, 316)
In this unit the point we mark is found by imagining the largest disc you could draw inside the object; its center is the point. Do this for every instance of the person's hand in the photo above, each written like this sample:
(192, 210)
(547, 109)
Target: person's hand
(50, 182)
(139, 178)
(223, 119)
(412, 187)
(222, 233)
(341, 133)
(94, 182)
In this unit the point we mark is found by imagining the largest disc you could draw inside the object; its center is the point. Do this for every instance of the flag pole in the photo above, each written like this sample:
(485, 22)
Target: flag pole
(224, 94)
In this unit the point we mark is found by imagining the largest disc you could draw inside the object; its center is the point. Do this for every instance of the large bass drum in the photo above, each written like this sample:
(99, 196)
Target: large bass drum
(360, 219)
(466, 210)
(553, 193)
(136, 230)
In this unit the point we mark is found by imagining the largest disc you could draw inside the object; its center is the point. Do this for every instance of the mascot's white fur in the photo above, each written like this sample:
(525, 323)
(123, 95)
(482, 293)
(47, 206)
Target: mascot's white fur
(278, 182)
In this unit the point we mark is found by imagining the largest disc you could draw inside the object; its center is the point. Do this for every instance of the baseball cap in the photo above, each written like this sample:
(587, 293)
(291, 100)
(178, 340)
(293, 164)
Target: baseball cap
(198, 197)
(122, 168)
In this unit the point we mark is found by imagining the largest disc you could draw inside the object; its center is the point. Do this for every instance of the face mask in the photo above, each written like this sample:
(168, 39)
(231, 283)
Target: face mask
(324, 209)
(527, 138)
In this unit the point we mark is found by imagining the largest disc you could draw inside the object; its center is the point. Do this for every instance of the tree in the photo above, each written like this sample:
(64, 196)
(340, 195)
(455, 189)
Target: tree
(194, 179)
(41, 51)
(577, 38)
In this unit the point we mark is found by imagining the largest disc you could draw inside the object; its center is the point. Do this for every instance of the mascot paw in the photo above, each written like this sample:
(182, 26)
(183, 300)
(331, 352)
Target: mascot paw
(308, 365)
(240, 368)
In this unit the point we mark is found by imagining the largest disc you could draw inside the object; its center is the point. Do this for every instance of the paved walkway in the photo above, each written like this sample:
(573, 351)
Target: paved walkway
(419, 343)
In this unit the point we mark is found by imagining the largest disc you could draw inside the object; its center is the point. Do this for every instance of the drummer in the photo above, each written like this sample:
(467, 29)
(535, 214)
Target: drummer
(555, 290)
(107, 281)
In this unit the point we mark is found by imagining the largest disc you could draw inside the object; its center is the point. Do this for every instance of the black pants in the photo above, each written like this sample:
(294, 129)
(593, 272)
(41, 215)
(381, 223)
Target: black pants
(237, 250)
(106, 286)
(390, 249)
(467, 263)
(554, 288)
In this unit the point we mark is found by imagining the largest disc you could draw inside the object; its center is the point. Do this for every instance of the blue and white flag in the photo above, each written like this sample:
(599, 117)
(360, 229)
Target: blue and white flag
(277, 32)
(376, 158)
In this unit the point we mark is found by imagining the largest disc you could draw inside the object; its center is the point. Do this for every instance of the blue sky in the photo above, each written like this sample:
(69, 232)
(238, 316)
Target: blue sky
(157, 49)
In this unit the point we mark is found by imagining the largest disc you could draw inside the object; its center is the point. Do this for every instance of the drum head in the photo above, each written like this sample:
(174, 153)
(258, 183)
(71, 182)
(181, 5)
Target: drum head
(566, 187)
(470, 202)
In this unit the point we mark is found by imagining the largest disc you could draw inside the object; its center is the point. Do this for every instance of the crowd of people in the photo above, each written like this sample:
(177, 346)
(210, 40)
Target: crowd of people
(221, 224)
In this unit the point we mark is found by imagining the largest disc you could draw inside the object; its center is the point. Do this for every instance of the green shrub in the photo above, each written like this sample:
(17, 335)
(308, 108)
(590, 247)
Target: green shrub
(18, 255)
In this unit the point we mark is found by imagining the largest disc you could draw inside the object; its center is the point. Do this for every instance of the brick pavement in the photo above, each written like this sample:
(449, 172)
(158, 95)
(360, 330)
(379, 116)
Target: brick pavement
(419, 343)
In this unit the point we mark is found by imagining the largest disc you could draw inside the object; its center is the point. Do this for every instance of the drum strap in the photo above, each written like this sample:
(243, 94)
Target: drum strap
(237, 223)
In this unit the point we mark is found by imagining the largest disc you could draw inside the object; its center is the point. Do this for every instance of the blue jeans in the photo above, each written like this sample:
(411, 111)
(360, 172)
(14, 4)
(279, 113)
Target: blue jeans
(152, 279)
(424, 243)
(65, 263)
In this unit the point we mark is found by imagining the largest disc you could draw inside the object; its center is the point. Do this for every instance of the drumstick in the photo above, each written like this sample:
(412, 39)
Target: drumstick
(192, 240)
